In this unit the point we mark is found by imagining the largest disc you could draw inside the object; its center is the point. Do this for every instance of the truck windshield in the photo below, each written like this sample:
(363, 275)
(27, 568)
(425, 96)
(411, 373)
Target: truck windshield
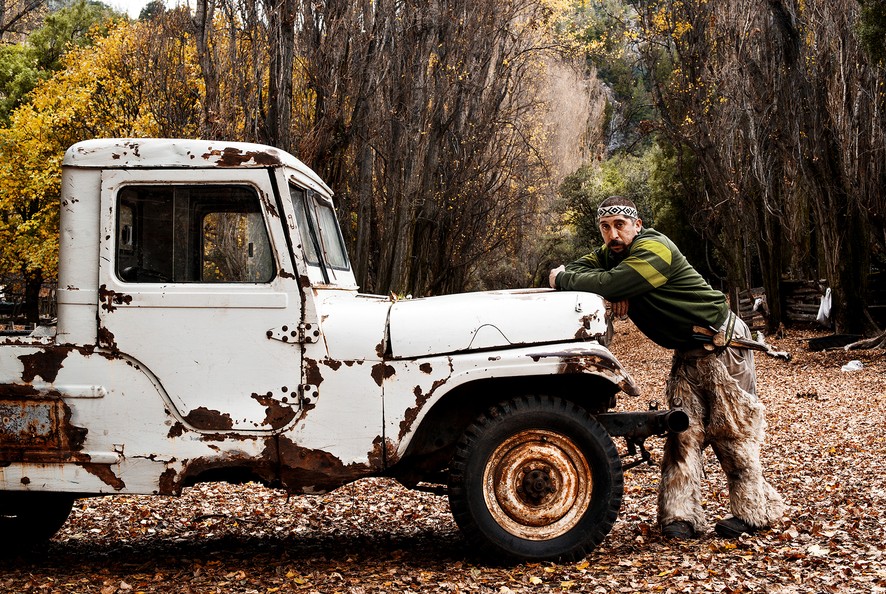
(322, 242)
(192, 234)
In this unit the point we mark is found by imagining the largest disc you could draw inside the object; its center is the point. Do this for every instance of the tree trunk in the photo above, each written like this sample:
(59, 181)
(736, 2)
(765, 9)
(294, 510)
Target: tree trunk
(281, 41)
(365, 214)
(204, 14)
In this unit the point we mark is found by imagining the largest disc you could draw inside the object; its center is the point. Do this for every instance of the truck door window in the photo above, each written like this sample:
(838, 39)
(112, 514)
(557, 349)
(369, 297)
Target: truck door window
(192, 234)
(319, 230)
(235, 248)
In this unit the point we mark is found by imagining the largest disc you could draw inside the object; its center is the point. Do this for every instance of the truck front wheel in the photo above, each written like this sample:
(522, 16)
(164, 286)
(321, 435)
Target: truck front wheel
(535, 478)
(30, 518)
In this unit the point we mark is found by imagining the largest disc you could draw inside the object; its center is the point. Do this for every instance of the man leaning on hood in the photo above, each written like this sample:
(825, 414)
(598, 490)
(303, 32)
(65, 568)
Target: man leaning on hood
(644, 276)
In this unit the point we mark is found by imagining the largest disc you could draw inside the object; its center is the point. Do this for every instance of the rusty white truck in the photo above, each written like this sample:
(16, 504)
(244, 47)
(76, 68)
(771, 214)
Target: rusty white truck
(210, 329)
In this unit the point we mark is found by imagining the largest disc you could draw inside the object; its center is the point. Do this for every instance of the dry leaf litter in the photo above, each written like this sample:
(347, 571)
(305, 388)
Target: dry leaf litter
(825, 452)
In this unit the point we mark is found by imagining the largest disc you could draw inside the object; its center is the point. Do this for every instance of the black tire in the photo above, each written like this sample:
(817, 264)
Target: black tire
(31, 518)
(535, 478)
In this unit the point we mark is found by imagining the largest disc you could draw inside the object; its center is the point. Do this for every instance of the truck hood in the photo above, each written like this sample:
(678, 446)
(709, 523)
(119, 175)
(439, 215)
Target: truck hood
(492, 319)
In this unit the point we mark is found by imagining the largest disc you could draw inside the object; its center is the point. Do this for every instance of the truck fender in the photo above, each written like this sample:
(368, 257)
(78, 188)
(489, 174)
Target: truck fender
(414, 388)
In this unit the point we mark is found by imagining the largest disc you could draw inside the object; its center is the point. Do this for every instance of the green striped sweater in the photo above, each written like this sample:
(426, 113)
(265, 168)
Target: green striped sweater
(666, 295)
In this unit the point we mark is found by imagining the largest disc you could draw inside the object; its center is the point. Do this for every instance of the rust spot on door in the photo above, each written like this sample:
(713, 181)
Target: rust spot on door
(210, 420)
(381, 372)
(111, 299)
(277, 414)
(45, 363)
(312, 372)
(176, 430)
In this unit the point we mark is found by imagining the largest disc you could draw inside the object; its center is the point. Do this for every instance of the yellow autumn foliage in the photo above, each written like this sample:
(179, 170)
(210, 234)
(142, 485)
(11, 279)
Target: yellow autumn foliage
(107, 89)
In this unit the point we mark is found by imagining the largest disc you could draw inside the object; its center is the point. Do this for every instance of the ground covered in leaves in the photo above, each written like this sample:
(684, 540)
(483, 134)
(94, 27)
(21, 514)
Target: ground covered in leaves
(825, 453)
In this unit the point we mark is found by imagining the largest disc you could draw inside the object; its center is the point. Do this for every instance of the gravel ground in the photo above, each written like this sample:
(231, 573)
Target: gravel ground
(825, 450)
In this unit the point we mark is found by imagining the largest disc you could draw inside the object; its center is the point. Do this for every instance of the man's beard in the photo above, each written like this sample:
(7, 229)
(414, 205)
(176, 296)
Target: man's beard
(620, 255)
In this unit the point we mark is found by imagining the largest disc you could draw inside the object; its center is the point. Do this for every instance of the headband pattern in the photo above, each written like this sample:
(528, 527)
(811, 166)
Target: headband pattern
(616, 210)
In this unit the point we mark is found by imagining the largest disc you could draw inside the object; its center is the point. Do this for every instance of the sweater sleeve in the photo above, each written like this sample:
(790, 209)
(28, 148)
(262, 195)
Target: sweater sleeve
(646, 267)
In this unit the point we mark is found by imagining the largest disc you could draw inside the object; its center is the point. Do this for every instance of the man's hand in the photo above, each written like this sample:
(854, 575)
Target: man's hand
(619, 308)
(552, 277)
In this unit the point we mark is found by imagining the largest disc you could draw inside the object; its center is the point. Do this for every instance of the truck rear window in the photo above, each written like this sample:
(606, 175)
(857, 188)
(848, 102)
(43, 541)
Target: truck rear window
(192, 234)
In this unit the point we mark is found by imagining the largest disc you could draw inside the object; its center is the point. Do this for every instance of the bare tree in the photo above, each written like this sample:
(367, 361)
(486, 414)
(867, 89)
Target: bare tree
(424, 120)
(422, 115)
(781, 109)
(281, 43)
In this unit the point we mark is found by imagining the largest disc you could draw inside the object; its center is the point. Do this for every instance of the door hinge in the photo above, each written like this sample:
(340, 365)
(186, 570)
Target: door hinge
(308, 393)
(296, 333)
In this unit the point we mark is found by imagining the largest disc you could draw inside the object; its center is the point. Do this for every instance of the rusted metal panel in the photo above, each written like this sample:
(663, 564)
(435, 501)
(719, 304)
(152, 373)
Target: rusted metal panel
(598, 361)
(310, 470)
(343, 383)
(60, 433)
(342, 409)
(37, 425)
(276, 460)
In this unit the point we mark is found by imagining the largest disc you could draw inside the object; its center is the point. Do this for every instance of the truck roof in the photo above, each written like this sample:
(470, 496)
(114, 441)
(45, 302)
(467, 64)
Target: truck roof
(127, 153)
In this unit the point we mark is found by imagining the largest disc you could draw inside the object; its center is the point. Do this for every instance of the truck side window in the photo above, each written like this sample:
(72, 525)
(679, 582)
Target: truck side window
(192, 234)
(330, 236)
(305, 229)
(319, 230)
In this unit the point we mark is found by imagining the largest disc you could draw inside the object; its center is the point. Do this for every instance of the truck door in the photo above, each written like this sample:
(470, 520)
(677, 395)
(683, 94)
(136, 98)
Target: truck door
(195, 278)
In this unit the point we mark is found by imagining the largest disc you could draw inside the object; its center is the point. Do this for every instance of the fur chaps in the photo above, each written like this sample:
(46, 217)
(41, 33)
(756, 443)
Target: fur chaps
(731, 421)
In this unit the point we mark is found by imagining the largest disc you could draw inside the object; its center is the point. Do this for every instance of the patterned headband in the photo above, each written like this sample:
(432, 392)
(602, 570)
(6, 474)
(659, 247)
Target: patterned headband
(616, 210)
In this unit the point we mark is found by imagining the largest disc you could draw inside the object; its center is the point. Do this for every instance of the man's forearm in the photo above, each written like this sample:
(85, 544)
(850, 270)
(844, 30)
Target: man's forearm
(591, 281)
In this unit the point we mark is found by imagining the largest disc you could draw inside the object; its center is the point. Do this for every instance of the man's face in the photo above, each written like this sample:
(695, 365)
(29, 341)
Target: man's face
(619, 231)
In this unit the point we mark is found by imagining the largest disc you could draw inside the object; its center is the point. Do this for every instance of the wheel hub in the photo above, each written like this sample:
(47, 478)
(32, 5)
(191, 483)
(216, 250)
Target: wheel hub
(537, 484)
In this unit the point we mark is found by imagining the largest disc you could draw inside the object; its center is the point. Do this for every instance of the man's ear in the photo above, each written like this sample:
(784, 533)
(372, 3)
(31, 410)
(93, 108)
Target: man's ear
(639, 224)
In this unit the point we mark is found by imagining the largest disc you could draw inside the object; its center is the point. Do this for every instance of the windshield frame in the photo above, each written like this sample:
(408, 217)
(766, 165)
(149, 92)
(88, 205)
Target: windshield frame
(322, 247)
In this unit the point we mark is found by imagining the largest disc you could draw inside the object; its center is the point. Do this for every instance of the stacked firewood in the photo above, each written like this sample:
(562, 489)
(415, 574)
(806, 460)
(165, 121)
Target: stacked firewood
(802, 299)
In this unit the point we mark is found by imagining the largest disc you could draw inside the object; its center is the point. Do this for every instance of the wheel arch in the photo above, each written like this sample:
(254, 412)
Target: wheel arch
(433, 442)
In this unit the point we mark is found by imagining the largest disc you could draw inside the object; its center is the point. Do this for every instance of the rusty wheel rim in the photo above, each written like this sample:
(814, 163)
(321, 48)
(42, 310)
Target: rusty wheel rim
(537, 484)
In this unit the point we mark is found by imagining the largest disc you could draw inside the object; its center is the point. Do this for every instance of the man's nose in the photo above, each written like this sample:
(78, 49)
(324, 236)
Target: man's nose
(611, 234)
